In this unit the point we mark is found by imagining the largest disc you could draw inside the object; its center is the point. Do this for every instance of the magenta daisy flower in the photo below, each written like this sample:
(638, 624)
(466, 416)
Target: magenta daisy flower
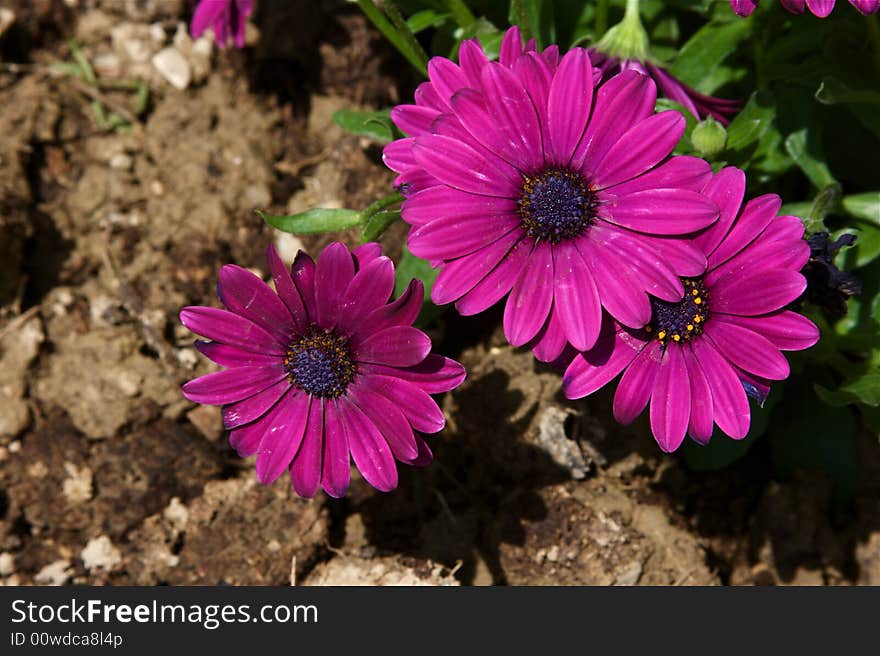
(228, 19)
(820, 8)
(698, 357)
(698, 104)
(522, 178)
(322, 368)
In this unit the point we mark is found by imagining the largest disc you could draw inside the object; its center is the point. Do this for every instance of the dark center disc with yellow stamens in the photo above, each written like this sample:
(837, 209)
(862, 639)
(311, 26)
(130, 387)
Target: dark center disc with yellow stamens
(682, 320)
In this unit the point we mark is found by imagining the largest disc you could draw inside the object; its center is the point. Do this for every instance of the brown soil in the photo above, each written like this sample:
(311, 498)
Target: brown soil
(108, 476)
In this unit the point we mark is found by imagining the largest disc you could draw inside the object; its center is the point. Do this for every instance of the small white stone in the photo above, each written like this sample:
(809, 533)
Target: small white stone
(7, 18)
(288, 246)
(77, 487)
(173, 67)
(121, 162)
(177, 514)
(157, 33)
(7, 563)
(100, 553)
(14, 447)
(107, 64)
(57, 573)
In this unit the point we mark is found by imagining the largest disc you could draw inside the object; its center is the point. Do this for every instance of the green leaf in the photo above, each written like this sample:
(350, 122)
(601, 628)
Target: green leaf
(862, 390)
(864, 206)
(373, 125)
(535, 19)
(823, 203)
(808, 156)
(755, 119)
(378, 223)
(422, 20)
(813, 435)
(832, 91)
(867, 246)
(705, 51)
(319, 219)
(410, 267)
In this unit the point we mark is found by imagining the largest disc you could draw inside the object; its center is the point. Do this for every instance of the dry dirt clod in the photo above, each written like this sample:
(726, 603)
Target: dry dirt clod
(100, 553)
(390, 571)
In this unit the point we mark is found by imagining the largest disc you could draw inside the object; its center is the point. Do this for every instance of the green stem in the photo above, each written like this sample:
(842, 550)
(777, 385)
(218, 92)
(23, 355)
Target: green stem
(601, 23)
(460, 13)
(414, 55)
(381, 204)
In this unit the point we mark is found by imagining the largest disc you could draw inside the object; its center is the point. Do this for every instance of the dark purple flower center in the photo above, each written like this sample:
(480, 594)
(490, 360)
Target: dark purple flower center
(684, 319)
(320, 364)
(556, 205)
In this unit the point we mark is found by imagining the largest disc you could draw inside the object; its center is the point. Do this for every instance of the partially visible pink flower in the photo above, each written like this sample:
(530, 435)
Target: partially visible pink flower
(322, 370)
(523, 180)
(698, 104)
(699, 358)
(820, 8)
(228, 18)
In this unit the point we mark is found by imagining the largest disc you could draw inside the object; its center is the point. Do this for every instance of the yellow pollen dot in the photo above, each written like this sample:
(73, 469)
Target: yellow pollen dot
(677, 338)
(690, 327)
(698, 318)
(698, 300)
(695, 292)
(661, 334)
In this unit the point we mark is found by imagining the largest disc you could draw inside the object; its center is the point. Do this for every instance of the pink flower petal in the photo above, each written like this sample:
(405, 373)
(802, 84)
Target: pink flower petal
(497, 282)
(756, 215)
(680, 172)
(414, 120)
(671, 400)
(511, 46)
(303, 274)
(369, 290)
(369, 450)
(575, 296)
(747, 349)
(515, 118)
(456, 236)
(254, 407)
(390, 421)
(419, 409)
(440, 201)
(529, 301)
(286, 290)
(231, 385)
(335, 461)
(435, 374)
(729, 402)
(639, 149)
(231, 356)
(230, 328)
(621, 102)
(458, 165)
(333, 274)
(569, 104)
(787, 331)
(662, 211)
(248, 296)
(637, 384)
(726, 189)
(400, 312)
(399, 346)
(283, 437)
(757, 293)
(701, 422)
(550, 342)
(305, 471)
(446, 77)
(600, 365)
(459, 276)
(620, 288)
(472, 60)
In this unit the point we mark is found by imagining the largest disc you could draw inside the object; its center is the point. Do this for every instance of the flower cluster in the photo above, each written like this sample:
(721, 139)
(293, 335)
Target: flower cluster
(820, 8)
(536, 180)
